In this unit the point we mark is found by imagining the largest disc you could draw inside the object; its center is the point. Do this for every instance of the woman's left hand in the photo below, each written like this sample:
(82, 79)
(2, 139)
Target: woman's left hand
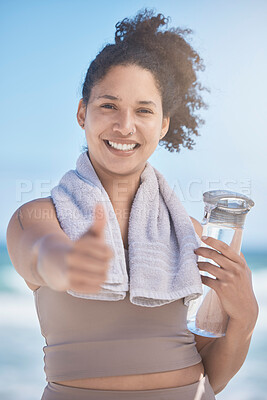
(233, 283)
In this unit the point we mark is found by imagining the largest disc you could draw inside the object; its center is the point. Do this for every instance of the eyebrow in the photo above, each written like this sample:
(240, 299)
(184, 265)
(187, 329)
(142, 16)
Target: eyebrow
(109, 97)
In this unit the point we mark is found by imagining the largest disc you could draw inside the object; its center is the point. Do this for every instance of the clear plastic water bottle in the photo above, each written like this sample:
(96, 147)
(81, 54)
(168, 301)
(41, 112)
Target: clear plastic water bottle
(224, 217)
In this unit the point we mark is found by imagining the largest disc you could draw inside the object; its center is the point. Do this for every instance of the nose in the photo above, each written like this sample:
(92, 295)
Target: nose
(124, 122)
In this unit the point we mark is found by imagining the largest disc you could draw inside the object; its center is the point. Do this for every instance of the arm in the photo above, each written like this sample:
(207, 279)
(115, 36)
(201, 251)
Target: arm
(32, 227)
(45, 256)
(223, 357)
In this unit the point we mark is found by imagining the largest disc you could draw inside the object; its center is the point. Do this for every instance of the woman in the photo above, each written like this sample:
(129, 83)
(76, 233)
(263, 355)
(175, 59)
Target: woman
(137, 92)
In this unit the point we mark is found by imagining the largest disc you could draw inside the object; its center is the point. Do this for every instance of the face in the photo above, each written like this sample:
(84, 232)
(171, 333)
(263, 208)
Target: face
(125, 100)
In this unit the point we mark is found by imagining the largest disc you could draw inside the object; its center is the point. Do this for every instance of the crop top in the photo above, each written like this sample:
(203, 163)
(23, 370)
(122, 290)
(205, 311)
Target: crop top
(95, 338)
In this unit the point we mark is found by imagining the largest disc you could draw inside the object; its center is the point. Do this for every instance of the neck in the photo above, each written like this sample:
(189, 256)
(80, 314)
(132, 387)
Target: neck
(121, 189)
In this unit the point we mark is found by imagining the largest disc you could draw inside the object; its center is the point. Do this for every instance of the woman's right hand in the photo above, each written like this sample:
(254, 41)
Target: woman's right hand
(80, 265)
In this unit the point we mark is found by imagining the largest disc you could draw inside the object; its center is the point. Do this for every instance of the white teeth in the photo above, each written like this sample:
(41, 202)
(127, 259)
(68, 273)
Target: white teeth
(123, 147)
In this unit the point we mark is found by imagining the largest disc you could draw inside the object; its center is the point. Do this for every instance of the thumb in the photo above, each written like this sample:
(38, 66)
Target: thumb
(100, 220)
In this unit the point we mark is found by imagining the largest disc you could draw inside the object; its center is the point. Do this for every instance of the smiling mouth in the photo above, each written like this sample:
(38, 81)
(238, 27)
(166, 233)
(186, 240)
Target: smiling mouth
(123, 151)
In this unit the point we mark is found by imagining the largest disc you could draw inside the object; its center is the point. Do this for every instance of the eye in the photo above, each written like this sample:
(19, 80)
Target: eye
(108, 106)
(145, 111)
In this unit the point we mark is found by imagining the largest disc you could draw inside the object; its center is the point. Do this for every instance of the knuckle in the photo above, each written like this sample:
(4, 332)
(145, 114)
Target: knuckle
(223, 285)
(223, 245)
(230, 276)
(237, 271)
(218, 258)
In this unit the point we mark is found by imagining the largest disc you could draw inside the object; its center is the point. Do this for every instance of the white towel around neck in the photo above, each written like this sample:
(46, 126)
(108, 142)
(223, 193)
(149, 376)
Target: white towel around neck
(161, 237)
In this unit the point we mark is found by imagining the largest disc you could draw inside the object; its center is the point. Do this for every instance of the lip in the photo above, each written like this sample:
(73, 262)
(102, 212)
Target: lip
(121, 152)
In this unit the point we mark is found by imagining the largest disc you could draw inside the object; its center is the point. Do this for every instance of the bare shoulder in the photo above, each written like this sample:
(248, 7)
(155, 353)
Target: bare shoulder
(30, 213)
(197, 226)
(40, 209)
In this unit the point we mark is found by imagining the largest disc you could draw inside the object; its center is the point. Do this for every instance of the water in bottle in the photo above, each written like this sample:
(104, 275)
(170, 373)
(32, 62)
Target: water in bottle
(224, 217)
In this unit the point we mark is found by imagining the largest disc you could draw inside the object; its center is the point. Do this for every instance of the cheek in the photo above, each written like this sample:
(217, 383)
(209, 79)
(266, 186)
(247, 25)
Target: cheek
(104, 120)
(154, 131)
(95, 124)
(92, 120)
(150, 126)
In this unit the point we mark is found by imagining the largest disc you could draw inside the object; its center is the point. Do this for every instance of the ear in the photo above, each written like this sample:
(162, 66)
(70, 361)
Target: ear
(165, 126)
(81, 113)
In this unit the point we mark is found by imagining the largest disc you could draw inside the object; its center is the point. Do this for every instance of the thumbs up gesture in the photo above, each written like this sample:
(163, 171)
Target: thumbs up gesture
(88, 261)
(80, 265)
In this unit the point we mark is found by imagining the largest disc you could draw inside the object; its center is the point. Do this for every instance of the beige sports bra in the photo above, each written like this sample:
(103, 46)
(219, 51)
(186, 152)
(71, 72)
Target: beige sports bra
(93, 338)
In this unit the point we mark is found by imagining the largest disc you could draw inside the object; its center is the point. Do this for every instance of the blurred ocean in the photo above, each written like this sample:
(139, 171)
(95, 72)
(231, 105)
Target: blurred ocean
(21, 356)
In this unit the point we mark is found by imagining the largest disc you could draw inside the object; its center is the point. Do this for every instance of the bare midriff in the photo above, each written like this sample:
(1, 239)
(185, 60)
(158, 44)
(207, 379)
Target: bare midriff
(157, 380)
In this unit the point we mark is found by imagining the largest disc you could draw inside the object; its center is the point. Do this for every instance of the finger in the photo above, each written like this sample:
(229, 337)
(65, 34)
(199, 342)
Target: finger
(100, 220)
(91, 246)
(210, 282)
(86, 278)
(214, 255)
(87, 264)
(98, 227)
(83, 287)
(222, 247)
(211, 269)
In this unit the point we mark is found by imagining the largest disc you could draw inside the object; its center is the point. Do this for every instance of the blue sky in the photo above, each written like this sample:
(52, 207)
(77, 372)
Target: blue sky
(46, 48)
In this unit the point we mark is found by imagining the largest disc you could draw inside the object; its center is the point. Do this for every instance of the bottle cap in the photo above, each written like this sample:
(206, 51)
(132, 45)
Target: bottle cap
(226, 207)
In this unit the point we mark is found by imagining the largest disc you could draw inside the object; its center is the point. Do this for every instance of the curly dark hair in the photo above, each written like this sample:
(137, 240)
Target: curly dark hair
(171, 60)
